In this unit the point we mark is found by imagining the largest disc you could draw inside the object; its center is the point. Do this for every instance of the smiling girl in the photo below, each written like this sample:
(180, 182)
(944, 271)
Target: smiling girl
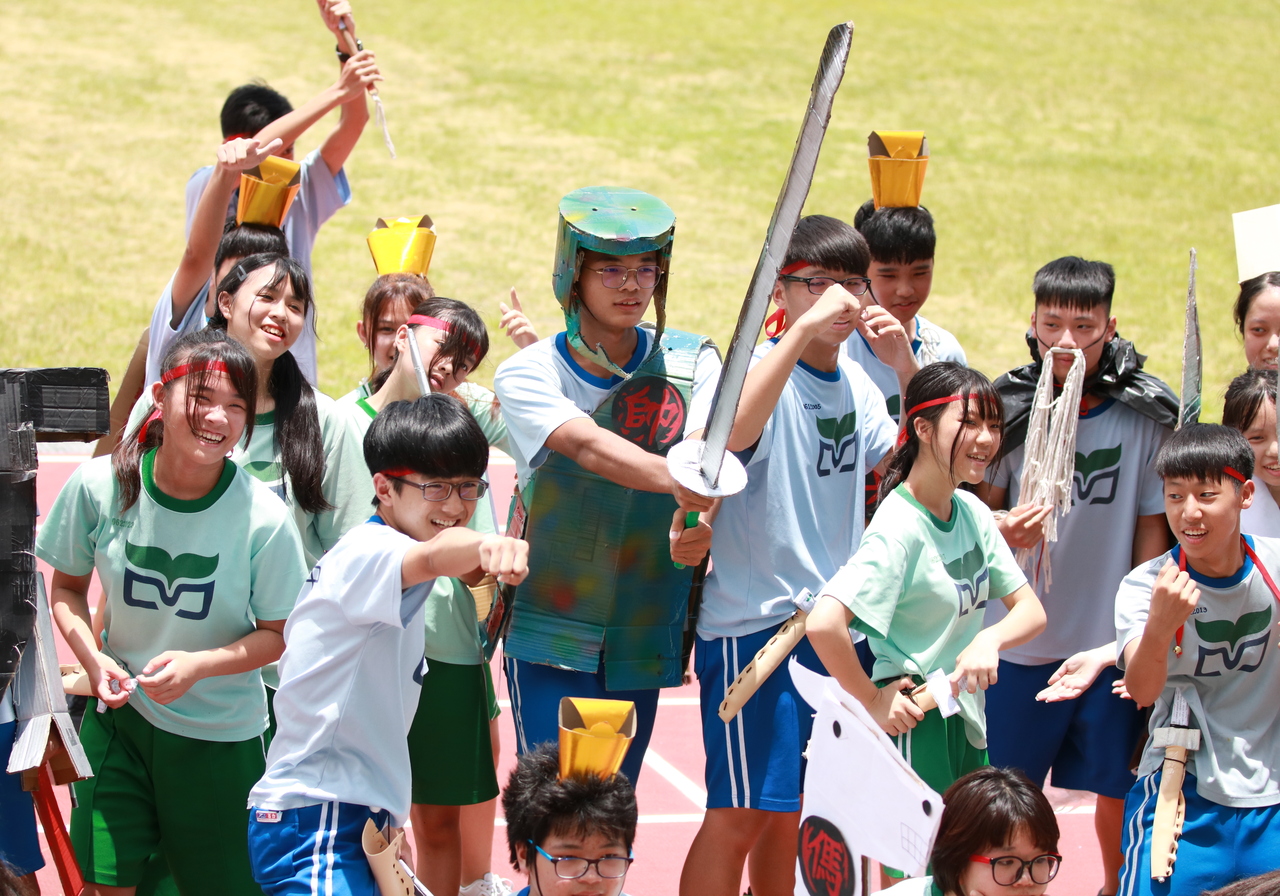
(1250, 407)
(199, 566)
(1257, 314)
(929, 562)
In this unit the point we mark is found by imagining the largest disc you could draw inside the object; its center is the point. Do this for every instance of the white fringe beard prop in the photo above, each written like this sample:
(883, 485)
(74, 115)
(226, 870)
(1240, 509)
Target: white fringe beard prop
(1049, 464)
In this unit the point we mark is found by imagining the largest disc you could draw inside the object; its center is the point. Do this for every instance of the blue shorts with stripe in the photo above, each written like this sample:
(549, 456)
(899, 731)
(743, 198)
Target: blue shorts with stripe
(1219, 844)
(536, 690)
(1087, 742)
(754, 761)
(312, 850)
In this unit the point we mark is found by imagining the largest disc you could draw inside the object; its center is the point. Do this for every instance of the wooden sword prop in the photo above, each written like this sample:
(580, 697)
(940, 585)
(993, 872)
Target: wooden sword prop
(1171, 807)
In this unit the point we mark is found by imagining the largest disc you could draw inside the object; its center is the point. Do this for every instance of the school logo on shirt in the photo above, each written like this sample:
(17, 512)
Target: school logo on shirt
(269, 473)
(143, 591)
(1096, 476)
(650, 412)
(837, 444)
(971, 577)
(1244, 643)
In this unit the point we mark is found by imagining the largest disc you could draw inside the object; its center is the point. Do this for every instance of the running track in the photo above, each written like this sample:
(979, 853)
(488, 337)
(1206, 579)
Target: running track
(670, 792)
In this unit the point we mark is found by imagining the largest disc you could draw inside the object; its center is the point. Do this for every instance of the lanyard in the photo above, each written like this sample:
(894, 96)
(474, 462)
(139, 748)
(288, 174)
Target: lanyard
(1266, 577)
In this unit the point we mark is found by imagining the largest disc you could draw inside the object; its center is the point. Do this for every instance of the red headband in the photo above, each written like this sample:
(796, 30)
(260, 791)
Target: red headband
(397, 472)
(793, 267)
(423, 320)
(947, 399)
(1234, 474)
(183, 369)
(777, 322)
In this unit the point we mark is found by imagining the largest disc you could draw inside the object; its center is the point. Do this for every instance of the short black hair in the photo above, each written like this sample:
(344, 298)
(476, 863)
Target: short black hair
(1075, 283)
(434, 435)
(897, 235)
(538, 803)
(1205, 451)
(829, 243)
(243, 240)
(1245, 396)
(250, 108)
(984, 809)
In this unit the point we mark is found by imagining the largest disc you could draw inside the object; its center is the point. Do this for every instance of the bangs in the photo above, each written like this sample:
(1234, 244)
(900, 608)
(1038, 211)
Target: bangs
(983, 399)
(240, 371)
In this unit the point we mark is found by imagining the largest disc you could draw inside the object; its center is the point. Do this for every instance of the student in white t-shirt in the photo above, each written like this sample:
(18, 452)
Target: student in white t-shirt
(353, 667)
(930, 561)
(998, 837)
(200, 566)
(809, 426)
(1250, 407)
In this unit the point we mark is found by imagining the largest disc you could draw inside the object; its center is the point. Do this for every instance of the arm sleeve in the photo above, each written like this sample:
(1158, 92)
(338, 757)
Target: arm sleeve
(872, 583)
(68, 536)
(277, 569)
(347, 482)
(533, 407)
(1133, 604)
(706, 375)
(880, 432)
(320, 196)
(377, 566)
(163, 335)
(195, 189)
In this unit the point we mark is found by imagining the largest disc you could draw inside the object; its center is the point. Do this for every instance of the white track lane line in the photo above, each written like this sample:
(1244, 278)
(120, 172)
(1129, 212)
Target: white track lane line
(676, 778)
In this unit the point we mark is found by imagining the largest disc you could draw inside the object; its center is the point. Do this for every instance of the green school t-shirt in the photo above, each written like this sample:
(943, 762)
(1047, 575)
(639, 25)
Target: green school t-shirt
(181, 575)
(917, 587)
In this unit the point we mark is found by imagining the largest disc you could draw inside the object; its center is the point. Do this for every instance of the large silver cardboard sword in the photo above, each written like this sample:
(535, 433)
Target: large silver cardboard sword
(705, 466)
(1192, 372)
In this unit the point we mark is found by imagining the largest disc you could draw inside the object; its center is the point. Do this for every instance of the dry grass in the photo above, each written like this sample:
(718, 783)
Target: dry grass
(1127, 131)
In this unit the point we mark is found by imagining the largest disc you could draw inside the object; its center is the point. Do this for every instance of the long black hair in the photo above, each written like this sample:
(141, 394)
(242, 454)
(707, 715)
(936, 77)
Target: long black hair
(198, 349)
(298, 440)
(931, 383)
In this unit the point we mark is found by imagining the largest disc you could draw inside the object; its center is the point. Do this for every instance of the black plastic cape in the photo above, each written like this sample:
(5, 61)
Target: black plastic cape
(1119, 376)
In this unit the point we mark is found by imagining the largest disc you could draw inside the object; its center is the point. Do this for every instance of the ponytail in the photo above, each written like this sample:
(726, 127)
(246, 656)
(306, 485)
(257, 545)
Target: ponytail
(297, 434)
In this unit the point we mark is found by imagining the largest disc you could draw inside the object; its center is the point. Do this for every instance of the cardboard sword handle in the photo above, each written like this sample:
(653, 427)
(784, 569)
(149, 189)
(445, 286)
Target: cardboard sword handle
(352, 48)
(1166, 827)
(772, 655)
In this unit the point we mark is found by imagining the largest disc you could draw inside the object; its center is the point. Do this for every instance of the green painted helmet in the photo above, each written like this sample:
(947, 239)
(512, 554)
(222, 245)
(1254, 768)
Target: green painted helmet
(615, 221)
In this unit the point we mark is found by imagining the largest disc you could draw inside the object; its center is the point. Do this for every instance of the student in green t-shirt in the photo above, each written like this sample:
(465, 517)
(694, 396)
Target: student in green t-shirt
(927, 565)
(200, 565)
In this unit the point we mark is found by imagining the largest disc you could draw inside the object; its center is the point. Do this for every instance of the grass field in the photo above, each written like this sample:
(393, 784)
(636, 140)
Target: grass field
(1127, 131)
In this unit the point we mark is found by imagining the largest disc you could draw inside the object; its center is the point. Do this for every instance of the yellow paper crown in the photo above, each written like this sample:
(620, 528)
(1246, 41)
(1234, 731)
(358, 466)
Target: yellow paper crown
(402, 246)
(267, 191)
(594, 735)
(898, 160)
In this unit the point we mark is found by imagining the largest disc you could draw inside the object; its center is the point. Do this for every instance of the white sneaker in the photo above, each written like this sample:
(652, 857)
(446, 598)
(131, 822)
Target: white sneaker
(489, 885)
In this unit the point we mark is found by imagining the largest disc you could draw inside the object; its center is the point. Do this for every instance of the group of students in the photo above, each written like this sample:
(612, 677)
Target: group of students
(289, 619)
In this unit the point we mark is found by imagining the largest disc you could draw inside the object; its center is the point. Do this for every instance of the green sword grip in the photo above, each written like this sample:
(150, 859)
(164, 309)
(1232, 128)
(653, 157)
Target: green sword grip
(690, 520)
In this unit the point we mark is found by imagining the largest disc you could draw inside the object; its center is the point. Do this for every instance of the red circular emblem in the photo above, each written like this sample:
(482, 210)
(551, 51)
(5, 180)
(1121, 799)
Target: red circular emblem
(826, 865)
(650, 412)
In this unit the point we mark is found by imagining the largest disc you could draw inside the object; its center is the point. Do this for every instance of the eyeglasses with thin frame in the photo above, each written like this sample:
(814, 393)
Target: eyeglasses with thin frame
(440, 491)
(614, 276)
(573, 867)
(1008, 870)
(856, 286)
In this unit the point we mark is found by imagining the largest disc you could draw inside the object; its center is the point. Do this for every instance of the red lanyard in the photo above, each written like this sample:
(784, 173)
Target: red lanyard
(1266, 577)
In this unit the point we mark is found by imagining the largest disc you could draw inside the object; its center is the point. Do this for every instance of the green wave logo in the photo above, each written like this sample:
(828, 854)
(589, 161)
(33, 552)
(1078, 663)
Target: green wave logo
(836, 430)
(183, 566)
(966, 568)
(1102, 459)
(1224, 630)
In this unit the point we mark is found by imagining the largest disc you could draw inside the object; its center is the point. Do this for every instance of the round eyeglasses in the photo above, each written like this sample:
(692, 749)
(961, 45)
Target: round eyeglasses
(572, 867)
(1008, 870)
(439, 491)
(614, 276)
(856, 286)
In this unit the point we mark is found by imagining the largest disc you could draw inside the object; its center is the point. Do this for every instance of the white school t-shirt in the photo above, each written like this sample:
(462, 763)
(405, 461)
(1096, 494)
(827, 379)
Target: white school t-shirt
(1115, 483)
(1229, 673)
(349, 680)
(917, 588)
(1262, 517)
(801, 516)
(180, 575)
(320, 195)
(541, 387)
(932, 343)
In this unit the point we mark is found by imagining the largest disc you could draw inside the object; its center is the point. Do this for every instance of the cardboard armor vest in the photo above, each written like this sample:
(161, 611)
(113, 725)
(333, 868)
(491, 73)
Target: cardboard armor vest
(601, 576)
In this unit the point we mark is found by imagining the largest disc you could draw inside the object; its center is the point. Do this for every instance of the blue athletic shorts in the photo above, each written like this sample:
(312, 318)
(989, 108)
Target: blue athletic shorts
(312, 850)
(536, 690)
(1219, 844)
(753, 762)
(19, 844)
(1087, 742)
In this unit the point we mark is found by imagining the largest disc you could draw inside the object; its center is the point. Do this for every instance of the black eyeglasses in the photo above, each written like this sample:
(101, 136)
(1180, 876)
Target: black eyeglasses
(1008, 870)
(614, 276)
(573, 867)
(857, 286)
(439, 491)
